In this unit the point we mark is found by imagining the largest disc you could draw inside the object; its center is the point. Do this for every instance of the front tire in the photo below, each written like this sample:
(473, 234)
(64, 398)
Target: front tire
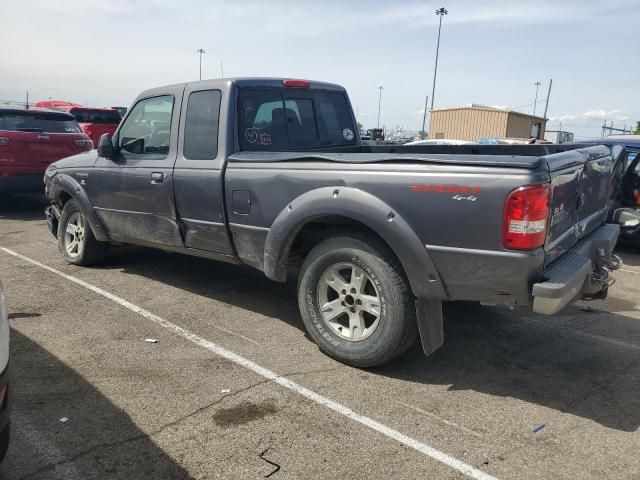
(76, 241)
(355, 301)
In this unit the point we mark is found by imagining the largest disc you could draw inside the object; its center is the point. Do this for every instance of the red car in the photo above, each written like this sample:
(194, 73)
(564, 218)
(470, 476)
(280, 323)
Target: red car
(32, 139)
(93, 121)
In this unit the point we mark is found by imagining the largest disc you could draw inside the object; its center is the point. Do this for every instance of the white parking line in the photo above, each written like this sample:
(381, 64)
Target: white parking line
(421, 447)
(439, 419)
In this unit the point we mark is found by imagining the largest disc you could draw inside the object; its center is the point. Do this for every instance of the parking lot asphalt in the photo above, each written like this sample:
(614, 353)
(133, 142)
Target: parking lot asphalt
(511, 394)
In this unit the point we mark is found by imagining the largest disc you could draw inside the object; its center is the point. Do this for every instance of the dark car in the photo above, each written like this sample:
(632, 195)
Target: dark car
(272, 173)
(32, 139)
(625, 208)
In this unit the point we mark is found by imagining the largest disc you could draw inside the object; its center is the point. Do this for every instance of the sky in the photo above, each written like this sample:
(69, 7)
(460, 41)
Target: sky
(104, 52)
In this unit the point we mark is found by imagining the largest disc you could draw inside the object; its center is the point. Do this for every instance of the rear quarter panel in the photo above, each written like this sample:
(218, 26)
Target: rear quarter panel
(455, 210)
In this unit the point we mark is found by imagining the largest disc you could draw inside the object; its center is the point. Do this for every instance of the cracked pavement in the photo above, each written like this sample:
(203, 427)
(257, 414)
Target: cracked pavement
(172, 410)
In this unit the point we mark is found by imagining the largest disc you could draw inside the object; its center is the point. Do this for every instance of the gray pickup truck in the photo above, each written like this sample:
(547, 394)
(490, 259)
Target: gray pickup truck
(272, 173)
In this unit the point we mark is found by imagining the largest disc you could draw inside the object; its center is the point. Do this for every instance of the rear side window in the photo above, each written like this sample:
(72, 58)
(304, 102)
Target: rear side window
(33, 121)
(201, 125)
(95, 115)
(274, 119)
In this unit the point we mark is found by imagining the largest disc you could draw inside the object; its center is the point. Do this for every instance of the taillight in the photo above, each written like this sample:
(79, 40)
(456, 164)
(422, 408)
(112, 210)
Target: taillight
(84, 143)
(636, 194)
(3, 141)
(296, 83)
(526, 212)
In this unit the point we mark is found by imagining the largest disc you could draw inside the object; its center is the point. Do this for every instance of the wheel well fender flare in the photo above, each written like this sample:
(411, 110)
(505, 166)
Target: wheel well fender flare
(66, 183)
(361, 207)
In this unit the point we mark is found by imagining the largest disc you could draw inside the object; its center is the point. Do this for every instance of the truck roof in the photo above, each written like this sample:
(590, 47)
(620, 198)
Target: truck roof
(241, 82)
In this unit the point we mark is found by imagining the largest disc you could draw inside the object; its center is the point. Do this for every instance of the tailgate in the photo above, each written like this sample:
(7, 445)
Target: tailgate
(580, 189)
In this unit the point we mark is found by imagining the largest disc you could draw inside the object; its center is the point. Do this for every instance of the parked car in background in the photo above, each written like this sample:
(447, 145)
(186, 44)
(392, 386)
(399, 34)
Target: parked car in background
(32, 139)
(439, 141)
(512, 141)
(94, 122)
(272, 173)
(121, 110)
(625, 208)
(5, 394)
(376, 134)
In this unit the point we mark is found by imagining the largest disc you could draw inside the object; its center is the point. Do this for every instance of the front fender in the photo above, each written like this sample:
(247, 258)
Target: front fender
(62, 182)
(361, 207)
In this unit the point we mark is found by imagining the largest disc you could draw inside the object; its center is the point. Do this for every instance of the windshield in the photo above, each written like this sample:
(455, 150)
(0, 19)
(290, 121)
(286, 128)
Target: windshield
(95, 115)
(277, 119)
(33, 121)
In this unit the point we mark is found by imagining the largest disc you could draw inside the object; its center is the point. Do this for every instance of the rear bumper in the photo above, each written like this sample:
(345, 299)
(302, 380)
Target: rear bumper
(21, 182)
(583, 272)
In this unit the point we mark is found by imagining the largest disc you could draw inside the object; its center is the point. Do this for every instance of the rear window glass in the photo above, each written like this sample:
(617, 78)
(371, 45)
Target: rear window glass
(38, 122)
(91, 115)
(274, 119)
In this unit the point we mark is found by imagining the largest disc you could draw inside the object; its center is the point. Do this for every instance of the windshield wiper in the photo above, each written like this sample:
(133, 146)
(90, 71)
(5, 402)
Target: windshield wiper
(35, 130)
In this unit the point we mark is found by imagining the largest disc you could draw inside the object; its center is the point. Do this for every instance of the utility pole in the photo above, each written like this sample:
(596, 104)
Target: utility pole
(27, 103)
(379, 103)
(424, 117)
(441, 12)
(201, 52)
(535, 102)
(221, 70)
(546, 105)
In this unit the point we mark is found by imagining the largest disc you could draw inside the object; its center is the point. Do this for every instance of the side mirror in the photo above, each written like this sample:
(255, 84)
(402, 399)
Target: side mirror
(626, 217)
(105, 146)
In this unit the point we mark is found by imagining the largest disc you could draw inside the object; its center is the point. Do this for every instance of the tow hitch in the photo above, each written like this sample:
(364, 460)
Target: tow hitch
(597, 285)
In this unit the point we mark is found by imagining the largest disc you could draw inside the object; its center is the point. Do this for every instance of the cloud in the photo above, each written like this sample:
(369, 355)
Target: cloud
(605, 115)
(307, 17)
(591, 117)
(565, 118)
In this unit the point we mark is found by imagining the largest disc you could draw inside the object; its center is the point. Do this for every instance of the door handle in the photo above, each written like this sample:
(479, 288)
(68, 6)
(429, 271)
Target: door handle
(157, 177)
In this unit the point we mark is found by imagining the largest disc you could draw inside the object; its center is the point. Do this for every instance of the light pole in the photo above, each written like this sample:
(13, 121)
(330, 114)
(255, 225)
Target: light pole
(535, 102)
(379, 103)
(441, 12)
(424, 118)
(201, 51)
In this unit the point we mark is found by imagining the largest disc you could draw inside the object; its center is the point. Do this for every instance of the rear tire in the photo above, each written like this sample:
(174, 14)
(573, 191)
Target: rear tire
(355, 301)
(76, 241)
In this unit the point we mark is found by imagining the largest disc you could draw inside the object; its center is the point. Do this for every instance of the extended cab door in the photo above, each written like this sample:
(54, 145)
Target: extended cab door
(198, 174)
(132, 194)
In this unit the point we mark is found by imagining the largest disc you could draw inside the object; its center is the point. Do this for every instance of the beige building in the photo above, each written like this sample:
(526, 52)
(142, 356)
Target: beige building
(476, 121)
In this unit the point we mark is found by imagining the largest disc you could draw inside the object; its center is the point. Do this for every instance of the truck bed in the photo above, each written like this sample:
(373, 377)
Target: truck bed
(516, 156)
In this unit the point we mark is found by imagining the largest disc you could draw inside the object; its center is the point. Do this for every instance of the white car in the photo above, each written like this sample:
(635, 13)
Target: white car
(5, 403)
(439, 141)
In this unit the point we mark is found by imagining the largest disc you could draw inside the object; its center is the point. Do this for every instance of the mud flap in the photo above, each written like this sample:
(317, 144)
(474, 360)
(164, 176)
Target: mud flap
(430, 324)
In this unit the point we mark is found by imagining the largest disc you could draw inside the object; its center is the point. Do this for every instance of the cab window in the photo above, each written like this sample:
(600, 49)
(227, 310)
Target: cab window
(201, 125)
(147, 129)
(270, 119)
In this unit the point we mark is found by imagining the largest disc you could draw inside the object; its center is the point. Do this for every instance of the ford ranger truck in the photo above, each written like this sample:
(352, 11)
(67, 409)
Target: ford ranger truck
(271, 173)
